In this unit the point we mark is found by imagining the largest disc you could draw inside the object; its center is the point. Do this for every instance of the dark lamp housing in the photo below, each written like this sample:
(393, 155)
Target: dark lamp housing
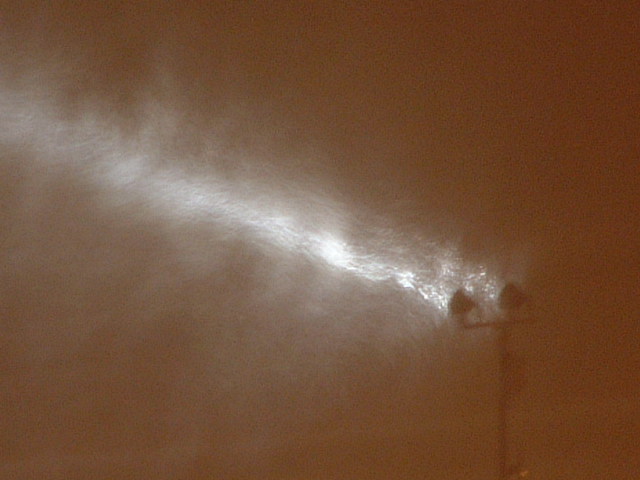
(461, 303)
(512, 298)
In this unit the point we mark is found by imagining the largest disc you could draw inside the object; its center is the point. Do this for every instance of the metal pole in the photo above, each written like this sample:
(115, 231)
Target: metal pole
(511, 300)
(503, 403)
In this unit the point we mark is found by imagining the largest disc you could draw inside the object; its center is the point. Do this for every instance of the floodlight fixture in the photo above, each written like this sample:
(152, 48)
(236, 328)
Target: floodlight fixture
(461, 303)
(512, 298)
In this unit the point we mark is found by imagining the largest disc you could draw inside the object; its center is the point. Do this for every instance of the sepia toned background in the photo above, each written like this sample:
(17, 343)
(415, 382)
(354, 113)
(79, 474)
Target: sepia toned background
(137, 344)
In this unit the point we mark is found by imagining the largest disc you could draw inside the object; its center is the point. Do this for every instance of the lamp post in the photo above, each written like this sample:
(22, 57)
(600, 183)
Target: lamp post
(510, 302)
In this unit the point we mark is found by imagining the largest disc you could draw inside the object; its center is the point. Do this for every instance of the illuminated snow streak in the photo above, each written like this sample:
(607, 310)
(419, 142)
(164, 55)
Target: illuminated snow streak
(429, 271)
(436, 271)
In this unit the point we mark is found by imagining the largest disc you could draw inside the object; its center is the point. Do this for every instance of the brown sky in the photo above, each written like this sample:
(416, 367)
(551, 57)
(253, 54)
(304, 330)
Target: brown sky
(509, 127)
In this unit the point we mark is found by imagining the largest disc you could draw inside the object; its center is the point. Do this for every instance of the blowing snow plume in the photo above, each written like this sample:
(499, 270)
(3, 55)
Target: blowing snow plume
(163, 302)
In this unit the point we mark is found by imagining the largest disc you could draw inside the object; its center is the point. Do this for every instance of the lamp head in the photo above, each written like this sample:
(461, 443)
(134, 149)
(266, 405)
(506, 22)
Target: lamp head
(461, 303)
(512, 298)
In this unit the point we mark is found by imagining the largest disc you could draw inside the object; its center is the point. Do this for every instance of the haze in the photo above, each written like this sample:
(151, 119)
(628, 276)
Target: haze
(230, 233)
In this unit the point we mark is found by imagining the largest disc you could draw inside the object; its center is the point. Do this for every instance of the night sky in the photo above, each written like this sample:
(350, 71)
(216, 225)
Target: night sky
(139, 341)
